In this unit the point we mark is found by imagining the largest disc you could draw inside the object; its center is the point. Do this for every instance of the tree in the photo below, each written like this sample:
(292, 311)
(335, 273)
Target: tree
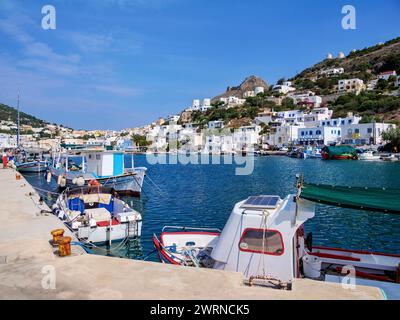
(140, 140)
(393, 137)
(280, 81)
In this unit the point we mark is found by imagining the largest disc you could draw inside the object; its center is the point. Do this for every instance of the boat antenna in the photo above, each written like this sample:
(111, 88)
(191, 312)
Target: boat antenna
(18, 122)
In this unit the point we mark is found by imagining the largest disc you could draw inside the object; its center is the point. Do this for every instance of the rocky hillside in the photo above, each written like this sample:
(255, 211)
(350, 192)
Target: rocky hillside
(8, 113)
(372, 60)
(247, 85)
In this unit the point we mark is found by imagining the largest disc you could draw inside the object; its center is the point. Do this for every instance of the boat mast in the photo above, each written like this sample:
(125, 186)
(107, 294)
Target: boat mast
(18, 122)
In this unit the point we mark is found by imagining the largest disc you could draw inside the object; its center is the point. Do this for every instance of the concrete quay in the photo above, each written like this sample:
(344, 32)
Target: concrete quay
(27, 260)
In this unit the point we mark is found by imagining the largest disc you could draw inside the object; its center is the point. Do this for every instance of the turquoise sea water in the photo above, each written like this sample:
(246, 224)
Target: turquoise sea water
(204, 195)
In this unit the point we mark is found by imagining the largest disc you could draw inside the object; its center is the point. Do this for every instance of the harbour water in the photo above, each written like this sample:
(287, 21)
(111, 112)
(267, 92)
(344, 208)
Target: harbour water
(204, 195)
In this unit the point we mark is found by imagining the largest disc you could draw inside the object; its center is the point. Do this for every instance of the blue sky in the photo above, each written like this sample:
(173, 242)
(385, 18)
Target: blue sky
(113, 64)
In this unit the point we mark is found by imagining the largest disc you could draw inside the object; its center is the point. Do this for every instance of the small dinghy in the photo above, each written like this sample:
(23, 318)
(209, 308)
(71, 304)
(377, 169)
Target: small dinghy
(97, 215)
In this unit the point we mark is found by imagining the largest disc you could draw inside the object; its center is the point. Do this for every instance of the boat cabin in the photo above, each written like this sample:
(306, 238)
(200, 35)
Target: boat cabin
(259, 238)
(99, 163)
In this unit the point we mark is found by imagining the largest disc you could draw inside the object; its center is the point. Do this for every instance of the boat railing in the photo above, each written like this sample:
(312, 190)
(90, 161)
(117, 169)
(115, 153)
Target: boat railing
(188, 229)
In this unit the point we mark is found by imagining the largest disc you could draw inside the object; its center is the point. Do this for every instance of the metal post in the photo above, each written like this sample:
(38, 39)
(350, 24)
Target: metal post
(18, 122)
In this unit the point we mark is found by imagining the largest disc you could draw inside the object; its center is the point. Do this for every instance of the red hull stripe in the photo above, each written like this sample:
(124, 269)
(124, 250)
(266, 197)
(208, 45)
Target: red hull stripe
(369, 276)
(333, 256)
(359, 252)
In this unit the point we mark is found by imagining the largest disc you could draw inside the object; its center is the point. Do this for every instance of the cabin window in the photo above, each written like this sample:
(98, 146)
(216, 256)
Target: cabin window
(262, 241)
(97, 157)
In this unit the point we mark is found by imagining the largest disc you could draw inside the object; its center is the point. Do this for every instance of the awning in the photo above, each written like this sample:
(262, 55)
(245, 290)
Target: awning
(372, 199)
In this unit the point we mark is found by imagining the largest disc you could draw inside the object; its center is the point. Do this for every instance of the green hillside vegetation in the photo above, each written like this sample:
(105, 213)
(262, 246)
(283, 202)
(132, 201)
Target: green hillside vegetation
(371, 105)
(8, 113)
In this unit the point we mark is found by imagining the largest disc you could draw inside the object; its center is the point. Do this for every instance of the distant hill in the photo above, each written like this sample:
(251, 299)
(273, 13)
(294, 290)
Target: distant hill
(250, 83)
(8, 113)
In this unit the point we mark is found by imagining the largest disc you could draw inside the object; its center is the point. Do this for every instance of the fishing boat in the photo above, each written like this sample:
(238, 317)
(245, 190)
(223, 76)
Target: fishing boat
(341, 152)
(390, 157)
(369, 155)
(264, 239)
(31, 160)
(96, 215)
(97, 167)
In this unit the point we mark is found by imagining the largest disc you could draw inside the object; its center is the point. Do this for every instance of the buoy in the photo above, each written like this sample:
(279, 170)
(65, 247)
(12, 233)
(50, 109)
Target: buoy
(80, 182)
(74, 180)
(48, 177)
(17, 176)
(59, 180)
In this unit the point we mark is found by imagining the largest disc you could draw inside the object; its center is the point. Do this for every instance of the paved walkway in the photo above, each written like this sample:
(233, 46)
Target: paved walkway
(27, 260)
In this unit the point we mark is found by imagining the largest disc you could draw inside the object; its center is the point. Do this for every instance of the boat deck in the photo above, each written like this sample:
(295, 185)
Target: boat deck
(25, 252)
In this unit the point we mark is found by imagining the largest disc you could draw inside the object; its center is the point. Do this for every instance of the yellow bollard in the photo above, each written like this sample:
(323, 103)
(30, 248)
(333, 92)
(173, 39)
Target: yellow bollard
(64, 246)
(57, 235)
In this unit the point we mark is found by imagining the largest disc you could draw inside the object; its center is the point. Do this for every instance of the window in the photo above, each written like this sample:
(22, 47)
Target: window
(310, 133)
(318, 132)
(97, 157)
(302, 133)
(253, 239)
(338, 132)
(369, 130)
(356, 130)
(342, 121)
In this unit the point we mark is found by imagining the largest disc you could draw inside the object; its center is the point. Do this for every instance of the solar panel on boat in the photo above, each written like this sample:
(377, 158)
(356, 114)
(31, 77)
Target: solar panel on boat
(267, 202)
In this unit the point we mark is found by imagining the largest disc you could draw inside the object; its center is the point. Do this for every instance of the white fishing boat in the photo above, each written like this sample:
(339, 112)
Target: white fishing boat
(264, 239)
(97, 167)
(96, 215)
(369, 155)
(31, 160)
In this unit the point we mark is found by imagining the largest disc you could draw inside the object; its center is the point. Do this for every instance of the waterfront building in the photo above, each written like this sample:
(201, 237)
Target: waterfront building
(364, 133)
(246, 136)
(351, 86)
(286, 135)
(319, 135)
(7, 141)
(337, 122)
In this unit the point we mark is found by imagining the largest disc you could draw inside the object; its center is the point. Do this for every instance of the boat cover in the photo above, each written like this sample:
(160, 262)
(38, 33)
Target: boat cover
(340, 150)
(373, 199)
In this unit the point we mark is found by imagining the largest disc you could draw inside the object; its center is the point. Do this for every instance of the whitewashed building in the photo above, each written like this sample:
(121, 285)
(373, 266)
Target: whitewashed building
(351, 86)
(285, 135)
(319, 135)
(364, 133)
(331, 72)
(8, 141)
(280, 88)
(216, 124)
(386, 75)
